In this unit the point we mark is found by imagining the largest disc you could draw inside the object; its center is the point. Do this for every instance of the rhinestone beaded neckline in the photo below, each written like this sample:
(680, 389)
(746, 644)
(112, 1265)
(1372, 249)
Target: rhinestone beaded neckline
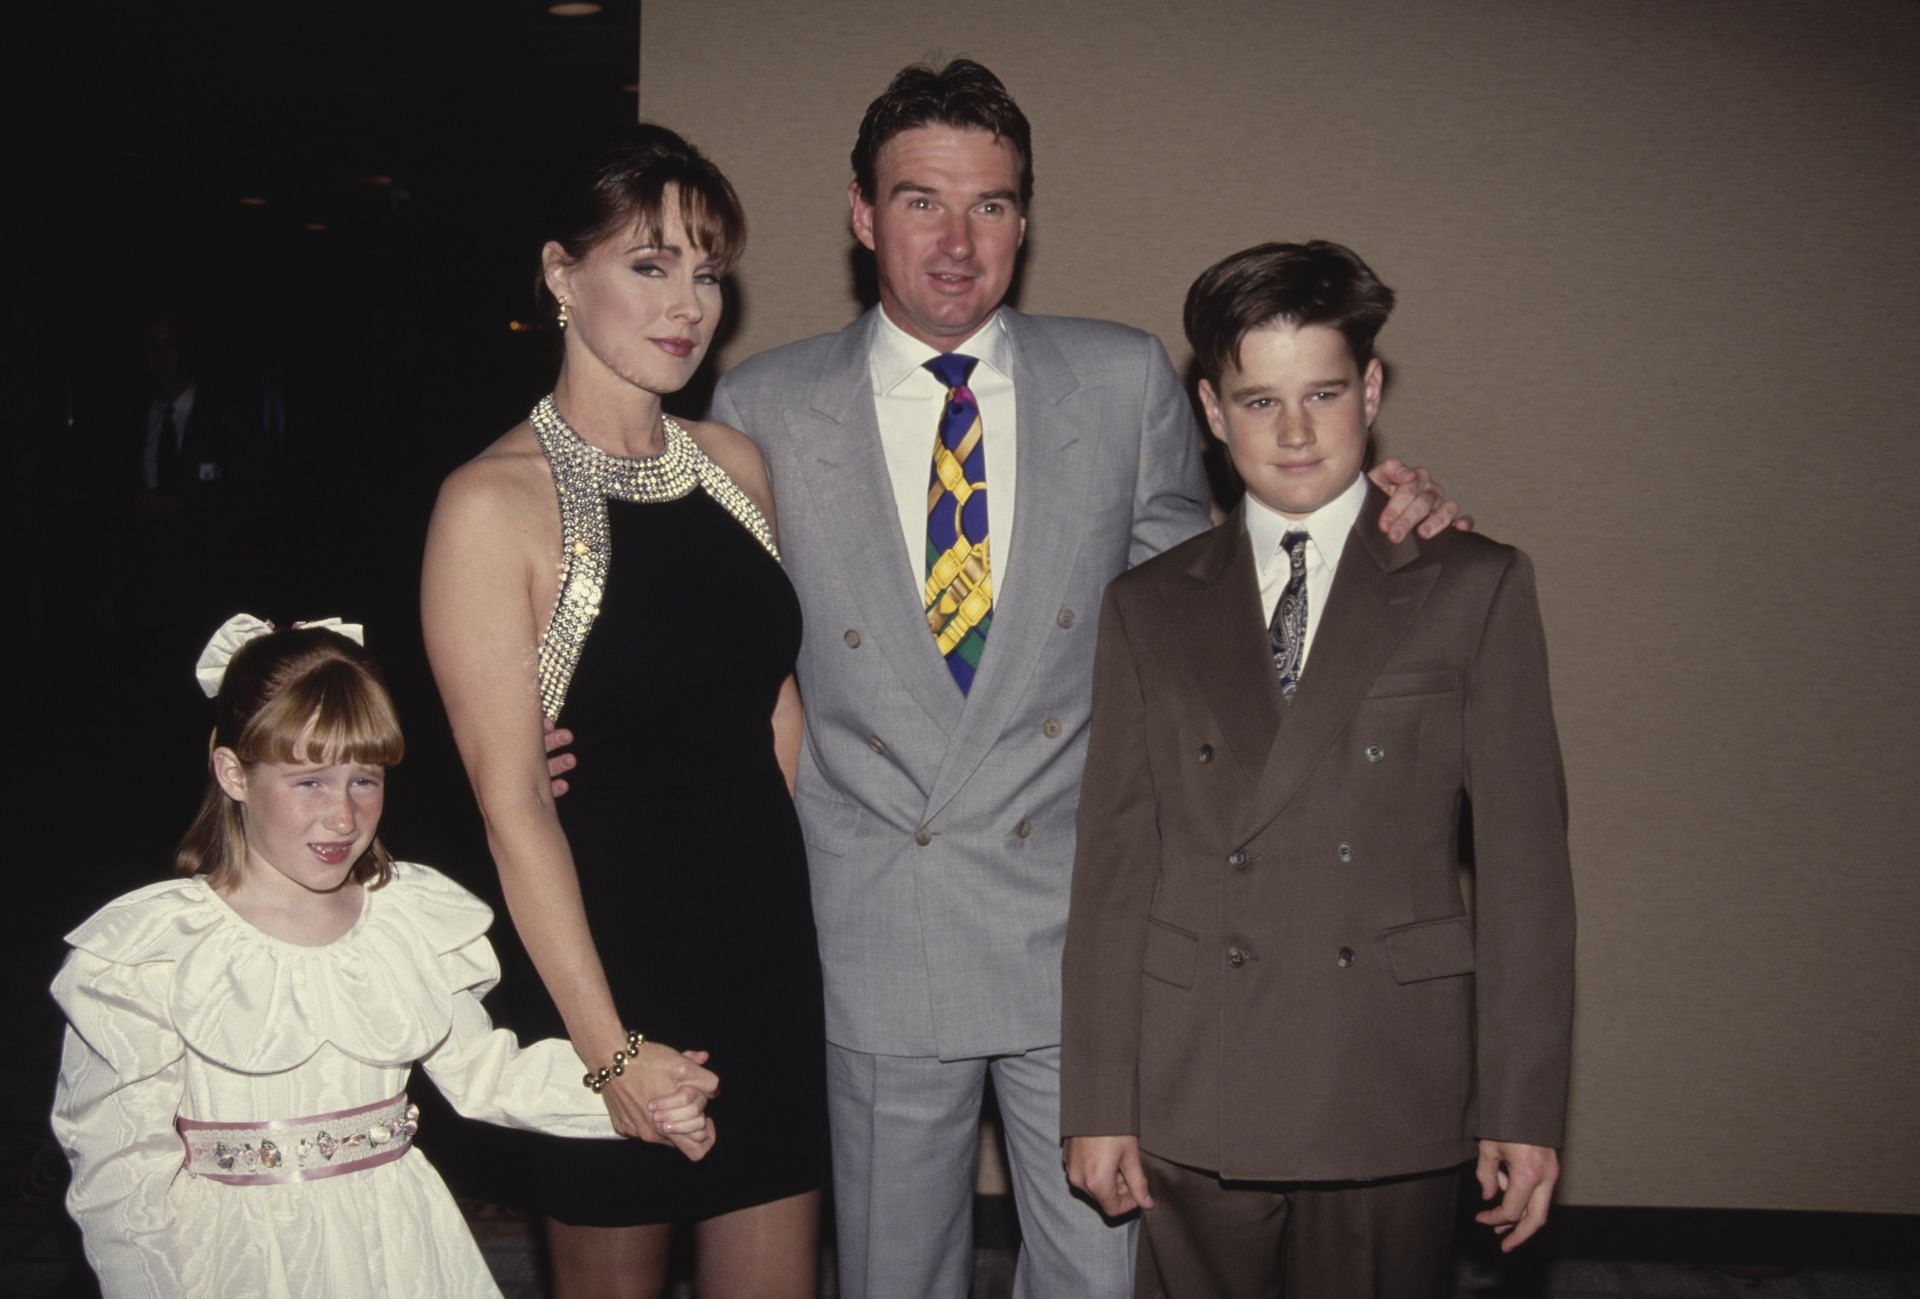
(585, 478)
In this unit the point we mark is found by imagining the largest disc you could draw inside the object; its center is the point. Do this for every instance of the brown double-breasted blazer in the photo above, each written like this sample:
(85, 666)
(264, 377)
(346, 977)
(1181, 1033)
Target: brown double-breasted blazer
(1271, 970)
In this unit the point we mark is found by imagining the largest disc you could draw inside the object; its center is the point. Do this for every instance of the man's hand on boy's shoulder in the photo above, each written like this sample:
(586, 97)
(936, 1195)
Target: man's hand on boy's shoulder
(1109, 1170)
(1415, 501)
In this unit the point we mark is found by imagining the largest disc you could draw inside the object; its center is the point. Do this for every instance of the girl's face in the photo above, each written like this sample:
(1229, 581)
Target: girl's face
(306, 822)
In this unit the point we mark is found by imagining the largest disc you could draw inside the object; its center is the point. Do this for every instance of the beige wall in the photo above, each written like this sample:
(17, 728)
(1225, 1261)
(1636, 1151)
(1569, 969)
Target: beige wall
(1657, 264)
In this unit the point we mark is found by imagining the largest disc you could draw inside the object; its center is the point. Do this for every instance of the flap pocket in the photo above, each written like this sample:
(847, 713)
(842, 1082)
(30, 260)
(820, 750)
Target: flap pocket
(1431, 949)
(825, 823)
(1392, 684)
(1172, 954)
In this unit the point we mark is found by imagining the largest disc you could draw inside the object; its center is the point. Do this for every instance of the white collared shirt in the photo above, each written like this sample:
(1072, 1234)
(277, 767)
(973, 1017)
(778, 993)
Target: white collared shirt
(182, 410)
(907, 400)
(1327, 529)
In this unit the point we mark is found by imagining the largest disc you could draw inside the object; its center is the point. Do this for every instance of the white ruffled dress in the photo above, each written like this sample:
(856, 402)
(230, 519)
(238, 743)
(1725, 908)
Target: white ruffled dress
(177, 1007)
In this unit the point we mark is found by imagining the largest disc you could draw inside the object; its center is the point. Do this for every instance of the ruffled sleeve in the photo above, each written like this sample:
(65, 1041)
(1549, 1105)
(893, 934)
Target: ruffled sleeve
(121, 1075)
(483, 1071)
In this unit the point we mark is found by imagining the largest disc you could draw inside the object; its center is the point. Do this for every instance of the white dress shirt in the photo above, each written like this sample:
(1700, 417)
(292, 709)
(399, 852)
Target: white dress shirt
(907, 400)
(1327, 529)
(182, 409)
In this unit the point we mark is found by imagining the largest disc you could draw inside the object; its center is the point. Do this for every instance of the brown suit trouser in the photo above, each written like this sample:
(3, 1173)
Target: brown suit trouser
(1209, 1239)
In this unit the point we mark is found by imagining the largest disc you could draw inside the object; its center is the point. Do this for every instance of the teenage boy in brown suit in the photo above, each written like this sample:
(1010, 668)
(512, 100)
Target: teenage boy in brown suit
(1284, 1030)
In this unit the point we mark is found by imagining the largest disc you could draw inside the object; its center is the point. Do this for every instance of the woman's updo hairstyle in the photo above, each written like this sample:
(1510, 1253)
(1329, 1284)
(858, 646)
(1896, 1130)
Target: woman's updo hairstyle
(621, 184)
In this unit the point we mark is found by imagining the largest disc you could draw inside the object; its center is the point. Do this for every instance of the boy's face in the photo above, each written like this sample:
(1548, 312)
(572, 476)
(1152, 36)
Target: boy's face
(1294, 414)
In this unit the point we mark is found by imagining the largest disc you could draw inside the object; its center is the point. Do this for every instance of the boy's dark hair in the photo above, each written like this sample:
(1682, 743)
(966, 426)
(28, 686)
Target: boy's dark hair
(1315, 283)
(962, 94)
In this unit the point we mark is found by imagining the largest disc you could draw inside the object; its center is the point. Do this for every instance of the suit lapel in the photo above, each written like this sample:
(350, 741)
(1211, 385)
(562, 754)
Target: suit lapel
(1214, 608)
(1372, 605)
(848, 468)
(1048, 495)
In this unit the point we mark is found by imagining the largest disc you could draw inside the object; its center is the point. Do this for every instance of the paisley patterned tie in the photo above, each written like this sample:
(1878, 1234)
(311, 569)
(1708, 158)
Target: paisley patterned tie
(1287, 633)
(959, 586)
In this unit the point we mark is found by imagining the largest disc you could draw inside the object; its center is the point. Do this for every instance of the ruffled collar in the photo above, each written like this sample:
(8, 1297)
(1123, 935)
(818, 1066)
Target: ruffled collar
(381, 993)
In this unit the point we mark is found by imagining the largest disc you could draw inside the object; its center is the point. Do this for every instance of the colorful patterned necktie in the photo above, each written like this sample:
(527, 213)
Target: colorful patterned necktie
(1287, 633)
(959, 587)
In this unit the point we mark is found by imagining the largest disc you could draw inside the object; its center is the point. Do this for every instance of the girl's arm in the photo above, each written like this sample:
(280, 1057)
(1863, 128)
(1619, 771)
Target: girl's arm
(481, 636)
(121, 1072)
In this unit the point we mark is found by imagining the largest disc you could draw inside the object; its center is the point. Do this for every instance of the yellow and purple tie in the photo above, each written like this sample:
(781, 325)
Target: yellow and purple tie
(959, 587)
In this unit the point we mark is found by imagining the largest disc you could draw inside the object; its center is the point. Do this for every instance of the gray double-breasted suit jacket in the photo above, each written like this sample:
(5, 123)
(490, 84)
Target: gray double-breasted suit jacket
(940, 826)
(1271, 972)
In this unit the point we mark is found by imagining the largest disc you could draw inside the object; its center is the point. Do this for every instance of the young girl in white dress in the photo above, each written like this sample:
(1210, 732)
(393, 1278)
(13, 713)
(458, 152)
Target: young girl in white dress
(232, 1091)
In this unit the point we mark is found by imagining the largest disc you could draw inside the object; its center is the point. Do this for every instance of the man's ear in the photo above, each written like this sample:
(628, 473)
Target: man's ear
(1210, 403)
(1371, 386)
(555, 269)
(862, 215)
(231, 773)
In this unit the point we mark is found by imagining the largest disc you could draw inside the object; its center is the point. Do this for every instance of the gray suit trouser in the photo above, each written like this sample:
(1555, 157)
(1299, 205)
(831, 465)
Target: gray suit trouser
(906, 1149)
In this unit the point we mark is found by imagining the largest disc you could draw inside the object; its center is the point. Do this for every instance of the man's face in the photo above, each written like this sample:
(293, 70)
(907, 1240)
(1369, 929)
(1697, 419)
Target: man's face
(1294, 414)
(945, 226)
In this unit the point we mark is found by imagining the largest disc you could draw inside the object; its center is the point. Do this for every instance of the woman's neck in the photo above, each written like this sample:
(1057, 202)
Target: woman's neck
(615, 416)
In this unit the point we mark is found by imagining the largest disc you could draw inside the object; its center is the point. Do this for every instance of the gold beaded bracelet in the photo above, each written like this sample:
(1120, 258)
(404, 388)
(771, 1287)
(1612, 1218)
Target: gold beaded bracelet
(597, 1079)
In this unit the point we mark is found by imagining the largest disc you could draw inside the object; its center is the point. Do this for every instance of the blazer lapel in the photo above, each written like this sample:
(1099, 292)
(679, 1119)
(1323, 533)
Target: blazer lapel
(1041, 553)
(848, 468)
(1214, 608)
(1372, 605)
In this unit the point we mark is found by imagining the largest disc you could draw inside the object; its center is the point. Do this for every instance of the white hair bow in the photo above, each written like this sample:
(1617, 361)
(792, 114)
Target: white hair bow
(236, 631)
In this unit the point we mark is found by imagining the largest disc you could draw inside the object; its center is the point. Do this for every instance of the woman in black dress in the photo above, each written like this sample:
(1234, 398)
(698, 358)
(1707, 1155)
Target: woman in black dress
(608, 568)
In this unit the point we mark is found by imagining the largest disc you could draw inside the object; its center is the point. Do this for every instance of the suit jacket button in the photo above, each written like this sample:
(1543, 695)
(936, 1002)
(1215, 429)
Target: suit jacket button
(1344, 852)
(922, 837)
(1024, 829)
(1206, 753)
(1050, 728)
(1344, 957)
(1065, 619)
(1236, 958)
(852, 638)
(1375, 753)
(877, 744)
(1238, 857)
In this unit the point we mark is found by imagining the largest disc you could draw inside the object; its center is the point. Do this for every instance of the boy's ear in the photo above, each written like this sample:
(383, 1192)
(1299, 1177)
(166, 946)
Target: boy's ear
(231, 773)
(1371, 386)
(1210, 404)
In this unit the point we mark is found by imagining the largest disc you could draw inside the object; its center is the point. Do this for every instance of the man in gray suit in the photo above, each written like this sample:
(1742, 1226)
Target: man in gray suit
(956, 483)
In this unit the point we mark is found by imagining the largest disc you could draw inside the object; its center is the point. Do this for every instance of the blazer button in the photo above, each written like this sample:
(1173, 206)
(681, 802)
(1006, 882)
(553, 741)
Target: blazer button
(1344, 957)
(922, 838)
(1024, 829)
(852, 638)
(1375, 753)
(1206, 753)
(1344, 852)
(1236, 958)
(875, 743)
(1050, 728)
(1065, 619)
(1238, 857)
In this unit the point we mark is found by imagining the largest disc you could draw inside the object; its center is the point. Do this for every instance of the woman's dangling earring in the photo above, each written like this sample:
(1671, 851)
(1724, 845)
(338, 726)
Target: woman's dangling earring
(563, 313)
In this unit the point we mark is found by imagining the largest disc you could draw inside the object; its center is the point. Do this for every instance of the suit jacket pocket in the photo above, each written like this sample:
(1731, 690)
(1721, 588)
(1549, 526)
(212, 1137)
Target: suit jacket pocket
(1430, 949)
(826, 823)
(1391, 684)
(1172, 954)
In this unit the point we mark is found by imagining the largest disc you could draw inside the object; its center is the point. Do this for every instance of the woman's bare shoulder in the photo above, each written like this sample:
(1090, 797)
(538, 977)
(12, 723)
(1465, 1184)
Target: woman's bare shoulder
(510, 473)
(737, 456)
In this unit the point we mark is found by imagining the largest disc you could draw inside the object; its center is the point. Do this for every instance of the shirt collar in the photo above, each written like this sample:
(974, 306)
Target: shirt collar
(1327, 527)
(897, 356)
